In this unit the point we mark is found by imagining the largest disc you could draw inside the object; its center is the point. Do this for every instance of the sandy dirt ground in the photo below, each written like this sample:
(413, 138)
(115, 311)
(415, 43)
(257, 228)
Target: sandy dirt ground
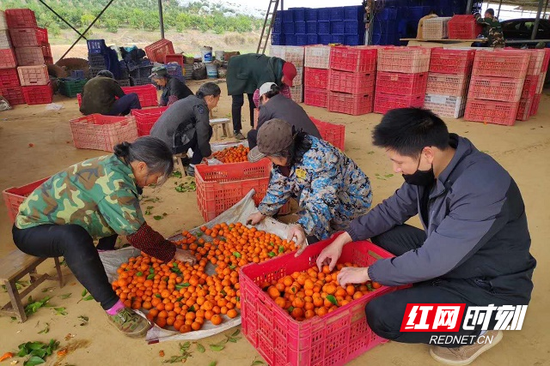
(524, 150)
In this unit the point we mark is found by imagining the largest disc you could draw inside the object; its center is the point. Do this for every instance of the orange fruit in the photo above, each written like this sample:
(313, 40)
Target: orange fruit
(216, 319)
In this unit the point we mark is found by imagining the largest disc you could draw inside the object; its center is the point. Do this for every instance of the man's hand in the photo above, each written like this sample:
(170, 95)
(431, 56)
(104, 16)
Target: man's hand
(332, 253)
(297, 232)
(185, 256)
(255, 218)
(353, 275)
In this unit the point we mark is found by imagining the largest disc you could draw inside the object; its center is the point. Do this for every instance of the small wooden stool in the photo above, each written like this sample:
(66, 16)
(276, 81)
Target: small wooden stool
(225, 127)
(12, 268)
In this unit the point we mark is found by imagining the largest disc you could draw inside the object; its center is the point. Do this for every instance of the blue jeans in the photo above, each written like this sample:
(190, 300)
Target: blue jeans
(125, 104)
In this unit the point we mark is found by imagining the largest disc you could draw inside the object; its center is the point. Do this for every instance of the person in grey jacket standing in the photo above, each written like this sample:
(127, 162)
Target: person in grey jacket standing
(186, 125)
(473, 250)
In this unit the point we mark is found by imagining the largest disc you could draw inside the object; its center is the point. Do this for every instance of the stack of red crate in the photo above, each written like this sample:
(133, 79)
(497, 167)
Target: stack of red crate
(401, 78)
(351, 79)
(540, 84)
(463, 27)
(530, 87)
(448, 80)
(496, 86)
(317, 60)
(29, 83)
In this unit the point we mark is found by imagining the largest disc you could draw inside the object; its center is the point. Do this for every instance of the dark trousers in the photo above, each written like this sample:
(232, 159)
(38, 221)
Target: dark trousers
(236, 106)
(385, 313)
(125, 104)
(252, 138)
(193, 145)
(77, 246)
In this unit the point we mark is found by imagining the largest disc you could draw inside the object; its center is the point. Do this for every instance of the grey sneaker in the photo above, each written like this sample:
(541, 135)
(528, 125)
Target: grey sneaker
(239, 136)
(190, 170)
(130, 323)
(465, 355)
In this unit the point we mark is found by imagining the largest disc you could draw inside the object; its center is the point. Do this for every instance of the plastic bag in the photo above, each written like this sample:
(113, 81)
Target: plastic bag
(54, 107)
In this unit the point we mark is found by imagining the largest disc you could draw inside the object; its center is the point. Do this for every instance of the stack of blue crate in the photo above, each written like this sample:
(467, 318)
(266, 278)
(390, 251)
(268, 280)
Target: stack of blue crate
(101, 57)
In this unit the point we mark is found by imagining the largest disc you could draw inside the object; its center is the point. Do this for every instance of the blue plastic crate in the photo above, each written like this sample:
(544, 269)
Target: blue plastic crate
(299, 14)
(354, 13)
(385, 26)
(290, 40)
(288, 16)
(300, 27)
(337, 27)
(277, 39)
(311, 27)
(354, 40)
(337, 38)
(387, 14)
(337, 13)
(78, 74)
(324, 38)
(353, 27)
(288, 28)
(417, 12)
(301, 39)
(277, 28)
(97, 46)
(323, 28)
(312, 39)
(278, 17)
(311, 14)
(323, 14)
(384, 38)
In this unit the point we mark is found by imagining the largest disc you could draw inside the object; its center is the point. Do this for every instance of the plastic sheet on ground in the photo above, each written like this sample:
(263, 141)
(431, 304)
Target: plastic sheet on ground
(238, 213)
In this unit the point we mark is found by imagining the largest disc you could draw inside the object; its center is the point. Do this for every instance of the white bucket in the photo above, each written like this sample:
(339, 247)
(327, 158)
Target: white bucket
(206, 54)
(219, 56)
(212, 71)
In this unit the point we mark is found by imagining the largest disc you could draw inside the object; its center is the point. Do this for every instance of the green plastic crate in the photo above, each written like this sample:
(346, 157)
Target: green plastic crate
(71, 88)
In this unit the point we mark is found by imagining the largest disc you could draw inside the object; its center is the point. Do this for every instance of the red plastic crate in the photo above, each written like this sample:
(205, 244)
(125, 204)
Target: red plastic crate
(29, 56)
(530, 86)
(491, 88)
(535, 104)
(157, 51)
(524, 109)
(14, 95)
(546, 60)
(351, 82)
(20, 18)
(48, 60)
(490, 111)
(147, 94)
(536, 61)
(332, 340)
(7, 59)
(463, 27)
(355, 59)
(540, 83)
(404, 59)
(316, 97)
(33, 75)
(27, 37)
(39, 94)
(402, 84)
(449, 61)
(219, 187)
(14, 196)
(385, 102)
(46, 50)
(146, 118)
(335, 134)
(8, 77)
(178, 58)
(315, 78)
(354, 104)
(502, 63)
(99, 132)
(447, 84)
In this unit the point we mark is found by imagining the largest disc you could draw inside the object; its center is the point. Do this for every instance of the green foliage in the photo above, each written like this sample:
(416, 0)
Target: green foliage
(138, 14)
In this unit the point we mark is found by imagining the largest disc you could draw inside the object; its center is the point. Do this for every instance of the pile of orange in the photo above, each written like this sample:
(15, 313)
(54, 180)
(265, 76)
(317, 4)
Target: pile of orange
(184, 297)
(235, 154)
(315, 293)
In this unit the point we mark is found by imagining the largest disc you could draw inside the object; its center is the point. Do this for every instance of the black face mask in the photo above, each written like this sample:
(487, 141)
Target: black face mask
(420, 177)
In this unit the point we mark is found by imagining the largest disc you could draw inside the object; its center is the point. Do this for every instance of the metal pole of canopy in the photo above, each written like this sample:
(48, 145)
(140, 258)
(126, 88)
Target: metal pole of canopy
(537, 20)
(499, 6)
(60, 17)
(469, 7)
(545, 8)
(161, 17)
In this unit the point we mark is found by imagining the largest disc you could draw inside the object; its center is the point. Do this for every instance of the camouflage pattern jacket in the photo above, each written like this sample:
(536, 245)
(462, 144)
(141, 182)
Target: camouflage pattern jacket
(492, 30)
(330, 188)
(99, 194)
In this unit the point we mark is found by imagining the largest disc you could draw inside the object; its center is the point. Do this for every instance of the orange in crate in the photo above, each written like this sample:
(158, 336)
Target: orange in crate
(234, 154)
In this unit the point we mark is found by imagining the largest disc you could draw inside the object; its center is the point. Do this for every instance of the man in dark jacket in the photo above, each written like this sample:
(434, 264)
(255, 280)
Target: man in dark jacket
(246, 73)
(275, 105)
(172, 88)
(474, 248)
(103, 95)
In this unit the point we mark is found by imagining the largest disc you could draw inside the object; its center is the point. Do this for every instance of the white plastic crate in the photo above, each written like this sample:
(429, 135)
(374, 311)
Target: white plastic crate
(540, 85)
(294, 54)
(299, 79)
(297, 93)
(317, 56)
(435, 28)
(3, 23)
(445, 105)
(5, 41)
